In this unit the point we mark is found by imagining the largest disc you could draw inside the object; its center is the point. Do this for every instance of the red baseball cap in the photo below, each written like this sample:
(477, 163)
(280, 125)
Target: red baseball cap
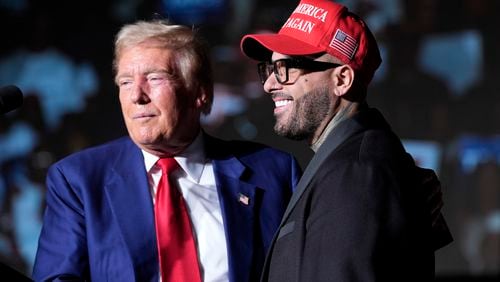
(315, 27)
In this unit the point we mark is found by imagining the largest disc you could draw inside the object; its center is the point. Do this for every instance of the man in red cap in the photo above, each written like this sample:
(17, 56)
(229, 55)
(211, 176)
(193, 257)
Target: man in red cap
(358, 212)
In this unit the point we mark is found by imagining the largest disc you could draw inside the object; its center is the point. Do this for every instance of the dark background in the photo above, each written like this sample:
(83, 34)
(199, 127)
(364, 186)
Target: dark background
(438, 87)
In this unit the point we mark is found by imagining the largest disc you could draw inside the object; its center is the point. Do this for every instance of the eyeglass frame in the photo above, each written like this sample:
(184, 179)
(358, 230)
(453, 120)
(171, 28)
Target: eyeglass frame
(263, 68)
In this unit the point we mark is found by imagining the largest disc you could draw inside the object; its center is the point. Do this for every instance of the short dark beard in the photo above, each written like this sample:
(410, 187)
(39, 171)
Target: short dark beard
(307, 115)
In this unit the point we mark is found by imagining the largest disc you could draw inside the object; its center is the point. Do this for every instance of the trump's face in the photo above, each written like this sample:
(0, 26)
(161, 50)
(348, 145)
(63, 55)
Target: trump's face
(161, 115)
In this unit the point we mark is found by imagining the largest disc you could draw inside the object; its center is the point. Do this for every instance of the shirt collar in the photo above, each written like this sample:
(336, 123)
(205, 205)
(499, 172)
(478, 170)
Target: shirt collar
(192, 160)
(338, 118)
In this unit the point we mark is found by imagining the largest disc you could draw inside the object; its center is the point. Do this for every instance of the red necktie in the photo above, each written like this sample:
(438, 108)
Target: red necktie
(176, 248)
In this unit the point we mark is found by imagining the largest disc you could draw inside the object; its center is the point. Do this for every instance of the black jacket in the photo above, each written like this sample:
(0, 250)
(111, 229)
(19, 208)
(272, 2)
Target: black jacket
(357, 214)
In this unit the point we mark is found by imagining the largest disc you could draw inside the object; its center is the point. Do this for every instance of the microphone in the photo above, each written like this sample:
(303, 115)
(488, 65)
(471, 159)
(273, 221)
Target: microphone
(11, 98)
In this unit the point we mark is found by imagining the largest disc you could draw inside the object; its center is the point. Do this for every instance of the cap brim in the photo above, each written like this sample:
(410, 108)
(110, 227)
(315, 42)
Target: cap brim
(261, 46)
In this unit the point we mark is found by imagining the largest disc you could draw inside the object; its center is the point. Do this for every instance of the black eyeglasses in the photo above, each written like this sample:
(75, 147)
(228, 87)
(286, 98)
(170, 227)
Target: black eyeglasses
(289, 69)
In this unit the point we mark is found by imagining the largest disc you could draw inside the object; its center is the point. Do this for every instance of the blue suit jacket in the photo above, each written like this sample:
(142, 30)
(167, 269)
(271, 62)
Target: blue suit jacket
(99, 219)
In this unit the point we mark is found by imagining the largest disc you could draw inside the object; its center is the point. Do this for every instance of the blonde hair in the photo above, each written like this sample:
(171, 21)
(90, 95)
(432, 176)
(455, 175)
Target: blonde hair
(191, 55)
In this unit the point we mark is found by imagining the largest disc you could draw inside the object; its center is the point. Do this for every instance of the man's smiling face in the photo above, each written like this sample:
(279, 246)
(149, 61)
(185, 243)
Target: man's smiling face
(301, 106)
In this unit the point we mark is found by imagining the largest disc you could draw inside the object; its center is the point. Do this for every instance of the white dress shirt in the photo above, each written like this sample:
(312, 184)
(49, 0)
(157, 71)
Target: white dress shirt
(196, 182)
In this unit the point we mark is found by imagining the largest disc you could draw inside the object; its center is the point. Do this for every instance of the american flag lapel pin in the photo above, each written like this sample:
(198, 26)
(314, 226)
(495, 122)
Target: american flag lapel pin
(243, 199)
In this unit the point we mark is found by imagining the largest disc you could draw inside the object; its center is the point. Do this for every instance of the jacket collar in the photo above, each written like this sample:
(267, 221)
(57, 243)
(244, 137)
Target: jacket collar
(237, 197)
(128, 193)
(361, 121)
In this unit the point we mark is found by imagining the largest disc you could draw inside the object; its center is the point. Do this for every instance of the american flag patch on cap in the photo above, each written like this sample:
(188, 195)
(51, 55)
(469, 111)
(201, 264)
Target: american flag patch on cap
(344, 43)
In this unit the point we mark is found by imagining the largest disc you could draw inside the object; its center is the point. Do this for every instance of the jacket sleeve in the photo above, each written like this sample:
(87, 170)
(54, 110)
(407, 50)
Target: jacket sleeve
(62, 246)
(364, 225)
(431, 189)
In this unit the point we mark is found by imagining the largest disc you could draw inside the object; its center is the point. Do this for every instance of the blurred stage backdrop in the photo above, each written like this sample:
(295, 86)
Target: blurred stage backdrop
(438, 86)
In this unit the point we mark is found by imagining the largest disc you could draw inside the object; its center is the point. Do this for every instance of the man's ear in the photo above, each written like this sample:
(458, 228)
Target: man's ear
(343, 77)
(202, 101)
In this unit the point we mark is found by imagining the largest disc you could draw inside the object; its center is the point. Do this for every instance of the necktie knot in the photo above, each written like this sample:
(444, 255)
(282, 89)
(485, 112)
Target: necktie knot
(167, 165)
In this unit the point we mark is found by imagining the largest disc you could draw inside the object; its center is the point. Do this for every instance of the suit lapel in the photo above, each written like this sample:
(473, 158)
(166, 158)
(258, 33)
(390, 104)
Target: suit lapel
(128, 193)
(237, 199)
(338, 135)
